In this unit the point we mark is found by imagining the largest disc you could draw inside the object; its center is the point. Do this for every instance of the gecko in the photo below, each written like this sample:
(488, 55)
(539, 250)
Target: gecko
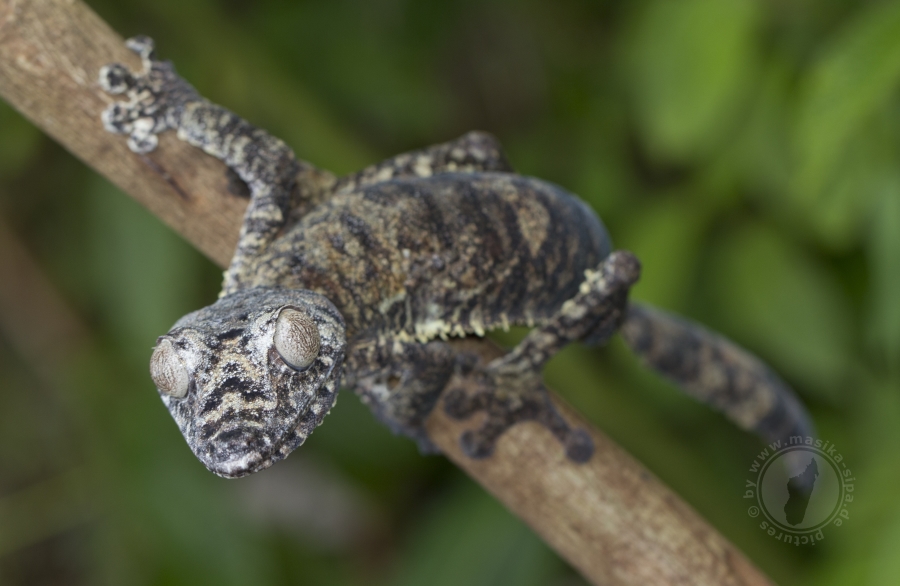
(361, 281)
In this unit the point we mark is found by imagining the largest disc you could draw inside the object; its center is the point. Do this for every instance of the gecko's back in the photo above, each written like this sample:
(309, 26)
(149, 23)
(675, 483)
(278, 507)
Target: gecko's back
(450, 254)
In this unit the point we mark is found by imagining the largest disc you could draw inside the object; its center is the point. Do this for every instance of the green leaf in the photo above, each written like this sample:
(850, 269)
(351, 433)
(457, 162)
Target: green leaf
(775, 299)
(885, 563)
(851, 80)
(18, 140)
(667, 236)
(884, 266)
(144, 275)
(762, 147)
(691, 61)
(471, 539)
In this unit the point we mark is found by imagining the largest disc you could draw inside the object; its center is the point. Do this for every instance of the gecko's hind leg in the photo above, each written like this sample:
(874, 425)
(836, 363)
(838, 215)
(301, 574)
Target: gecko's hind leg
(511, 389)
(473, 152)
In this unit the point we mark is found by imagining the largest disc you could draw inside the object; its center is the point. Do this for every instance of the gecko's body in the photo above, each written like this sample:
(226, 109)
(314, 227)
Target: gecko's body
(447, 255)
(362, 279)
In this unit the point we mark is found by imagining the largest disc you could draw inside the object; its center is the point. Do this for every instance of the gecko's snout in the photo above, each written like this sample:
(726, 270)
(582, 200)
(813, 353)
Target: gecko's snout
(237, 452)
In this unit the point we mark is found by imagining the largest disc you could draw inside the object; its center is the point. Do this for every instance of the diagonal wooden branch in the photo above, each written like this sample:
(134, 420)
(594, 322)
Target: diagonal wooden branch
(610, 518)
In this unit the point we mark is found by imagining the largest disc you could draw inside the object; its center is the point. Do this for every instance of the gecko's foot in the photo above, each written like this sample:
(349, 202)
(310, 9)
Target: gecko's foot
(156, 97)
(509, 400)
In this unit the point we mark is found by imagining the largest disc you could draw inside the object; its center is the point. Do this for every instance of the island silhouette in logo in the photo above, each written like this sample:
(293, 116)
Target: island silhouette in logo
(800, 488)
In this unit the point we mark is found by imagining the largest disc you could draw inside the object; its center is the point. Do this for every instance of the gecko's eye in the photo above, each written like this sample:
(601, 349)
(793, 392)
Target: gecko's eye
(168, 371)
(296, 338)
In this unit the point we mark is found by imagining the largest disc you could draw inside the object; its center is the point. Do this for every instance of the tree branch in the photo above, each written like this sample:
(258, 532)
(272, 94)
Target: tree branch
(610, 517)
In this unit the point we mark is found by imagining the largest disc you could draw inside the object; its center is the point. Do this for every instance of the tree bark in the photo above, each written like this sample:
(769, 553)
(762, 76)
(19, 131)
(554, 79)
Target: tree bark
(610, 518)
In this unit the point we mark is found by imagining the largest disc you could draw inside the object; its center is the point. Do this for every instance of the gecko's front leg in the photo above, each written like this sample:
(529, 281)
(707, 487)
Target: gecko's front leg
(511, 388)
(157, 99)
(402, 381)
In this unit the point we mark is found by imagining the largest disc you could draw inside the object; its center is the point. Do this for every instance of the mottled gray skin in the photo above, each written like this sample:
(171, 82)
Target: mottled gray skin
(390, 262)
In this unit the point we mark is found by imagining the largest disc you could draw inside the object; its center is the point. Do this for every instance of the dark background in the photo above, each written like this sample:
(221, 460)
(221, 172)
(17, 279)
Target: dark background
(746, 150)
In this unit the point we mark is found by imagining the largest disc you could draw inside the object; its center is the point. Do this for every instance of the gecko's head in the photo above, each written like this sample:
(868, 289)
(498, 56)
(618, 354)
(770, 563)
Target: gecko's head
(248, 378)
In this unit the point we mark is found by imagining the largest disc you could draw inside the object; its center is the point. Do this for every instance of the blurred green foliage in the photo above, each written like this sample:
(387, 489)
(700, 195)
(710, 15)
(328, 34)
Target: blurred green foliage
(746, 150)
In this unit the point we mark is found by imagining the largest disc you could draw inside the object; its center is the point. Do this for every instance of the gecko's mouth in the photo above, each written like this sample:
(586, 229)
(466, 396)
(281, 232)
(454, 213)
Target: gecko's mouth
(238, 452)
(239, 465)
(244, 451)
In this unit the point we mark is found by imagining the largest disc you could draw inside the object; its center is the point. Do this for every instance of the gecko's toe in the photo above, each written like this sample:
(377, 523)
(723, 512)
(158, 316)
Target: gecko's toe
(117, 118)
(579, 446)
(142, 45)
(142, 142)
(115, 78)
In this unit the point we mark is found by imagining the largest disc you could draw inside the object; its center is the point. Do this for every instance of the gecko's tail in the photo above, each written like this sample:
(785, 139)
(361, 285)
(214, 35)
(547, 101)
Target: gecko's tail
(718, 372)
